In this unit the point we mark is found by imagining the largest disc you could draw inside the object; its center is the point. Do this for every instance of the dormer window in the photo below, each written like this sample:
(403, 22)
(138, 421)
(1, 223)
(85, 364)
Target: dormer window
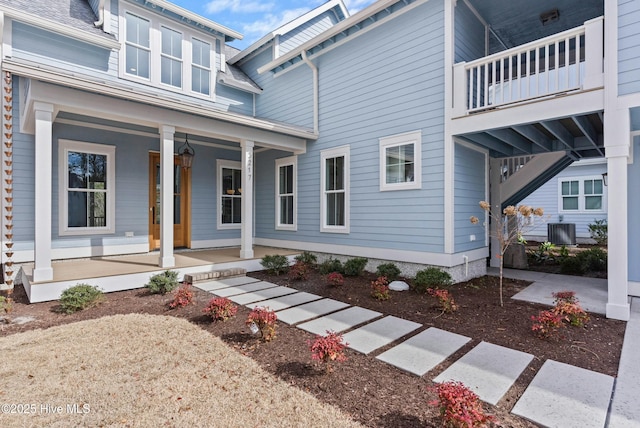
(171, 57)
(167, 54)
(138, 50)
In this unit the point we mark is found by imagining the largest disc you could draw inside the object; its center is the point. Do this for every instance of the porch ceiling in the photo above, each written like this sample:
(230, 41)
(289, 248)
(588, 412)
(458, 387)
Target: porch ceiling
(516, 22)
(581, 136)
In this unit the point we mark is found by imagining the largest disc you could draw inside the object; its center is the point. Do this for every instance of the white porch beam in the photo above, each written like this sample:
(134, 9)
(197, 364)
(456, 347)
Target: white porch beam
(167, 258)
(246, 232)
(42, 270)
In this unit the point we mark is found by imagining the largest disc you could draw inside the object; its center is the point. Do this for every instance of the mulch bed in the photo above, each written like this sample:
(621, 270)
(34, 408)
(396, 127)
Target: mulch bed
(373, 392)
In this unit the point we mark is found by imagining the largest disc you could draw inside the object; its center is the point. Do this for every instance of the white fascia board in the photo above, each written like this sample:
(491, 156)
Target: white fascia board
(108, 89)
(235, 84)
(65, 30)
(196, 18)
(290, 26)
(339, 28)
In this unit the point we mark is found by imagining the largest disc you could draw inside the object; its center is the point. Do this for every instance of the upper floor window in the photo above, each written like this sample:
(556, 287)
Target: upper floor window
(200, 66)
(400, 162)
(167, 54)
(335, 190)
(171, 57)
(87, 188)
(229, 194)
(138, 46)
(286, 177)
(581, 194)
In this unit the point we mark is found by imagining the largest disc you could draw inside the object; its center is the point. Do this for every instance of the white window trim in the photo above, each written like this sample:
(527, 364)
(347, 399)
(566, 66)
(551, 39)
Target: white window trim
(293, 161)
(64, 147)
(414, 138)
(581, 196)
(324, 155)
(155, 43)
(123, 52)
(220, 164)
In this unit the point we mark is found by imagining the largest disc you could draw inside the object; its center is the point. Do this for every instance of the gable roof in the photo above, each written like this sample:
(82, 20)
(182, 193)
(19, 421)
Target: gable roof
(337, 5)
(73, 18)
(234, 77)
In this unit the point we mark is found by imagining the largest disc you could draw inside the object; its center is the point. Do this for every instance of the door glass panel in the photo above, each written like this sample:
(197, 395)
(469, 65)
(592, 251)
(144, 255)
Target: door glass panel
(177, 212)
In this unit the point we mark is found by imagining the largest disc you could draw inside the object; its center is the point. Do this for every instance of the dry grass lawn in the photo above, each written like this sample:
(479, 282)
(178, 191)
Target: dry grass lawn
(145, 371)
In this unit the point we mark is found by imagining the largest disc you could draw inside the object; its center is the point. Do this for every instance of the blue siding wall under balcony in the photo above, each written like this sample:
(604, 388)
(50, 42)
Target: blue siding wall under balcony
(469, 34)
(628, 46)
(470, 189)
(361, 100)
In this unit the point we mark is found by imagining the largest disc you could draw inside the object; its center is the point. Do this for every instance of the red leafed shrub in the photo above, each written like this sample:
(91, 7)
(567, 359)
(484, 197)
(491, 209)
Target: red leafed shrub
(182, 297)
(265, 320)
(445, 299)
(459, 406)
(547, 324)
(380, 288)
(220, 309)
(299, 271)
(328, 348)
(571, 313)
(335, 278)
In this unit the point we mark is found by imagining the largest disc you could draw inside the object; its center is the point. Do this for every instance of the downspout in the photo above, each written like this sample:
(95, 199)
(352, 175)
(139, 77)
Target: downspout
(100, 22)
(316, 92)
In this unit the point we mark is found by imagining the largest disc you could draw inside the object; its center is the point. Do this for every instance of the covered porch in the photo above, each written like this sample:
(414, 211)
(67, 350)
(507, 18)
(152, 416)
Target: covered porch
(117, 273)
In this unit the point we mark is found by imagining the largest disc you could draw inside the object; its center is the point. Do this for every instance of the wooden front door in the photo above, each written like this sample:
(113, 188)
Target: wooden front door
(181, 201)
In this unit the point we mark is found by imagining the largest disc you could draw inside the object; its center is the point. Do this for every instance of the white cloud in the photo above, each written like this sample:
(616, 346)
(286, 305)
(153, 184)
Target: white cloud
(216, 6)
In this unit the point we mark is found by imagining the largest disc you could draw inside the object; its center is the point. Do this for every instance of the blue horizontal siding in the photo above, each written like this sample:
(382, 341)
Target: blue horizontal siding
(371, 87)
(628, 46)
(547, 197)
(469, 189)
(307, 31)
(469, 34)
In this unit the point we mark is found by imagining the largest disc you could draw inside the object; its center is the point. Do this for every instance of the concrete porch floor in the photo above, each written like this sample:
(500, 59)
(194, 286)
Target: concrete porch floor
(116, 273)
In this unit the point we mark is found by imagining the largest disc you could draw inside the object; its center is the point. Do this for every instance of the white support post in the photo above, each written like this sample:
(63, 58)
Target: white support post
(167, 258)
(616, 137)
(495, 196)
(246, 234)
(461, 89)
(42, 270)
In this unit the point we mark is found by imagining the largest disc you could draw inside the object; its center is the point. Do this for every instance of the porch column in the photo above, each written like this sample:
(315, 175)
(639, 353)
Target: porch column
(246, 234)
(617, 137)
(495, 199)
(167, 258)
(42, 270)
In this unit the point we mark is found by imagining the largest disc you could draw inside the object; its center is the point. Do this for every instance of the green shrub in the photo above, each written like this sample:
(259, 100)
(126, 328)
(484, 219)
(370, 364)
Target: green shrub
(330, 265)
(79, 297)
(275, 264)
(572, 266)
(355, 266)
(593, 259)
(390, 270)
(431, 278)
(163, 283)
(307, 258)
(599, 231)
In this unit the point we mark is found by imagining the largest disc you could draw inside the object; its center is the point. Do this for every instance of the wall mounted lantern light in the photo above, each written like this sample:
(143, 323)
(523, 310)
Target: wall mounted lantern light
(604, 178)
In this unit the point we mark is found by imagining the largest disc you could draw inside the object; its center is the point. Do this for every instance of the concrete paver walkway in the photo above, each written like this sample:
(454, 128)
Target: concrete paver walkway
(489, 370)
(565, 396)
(424, 351)
(559, 396)
(379, 333)
(339, 321)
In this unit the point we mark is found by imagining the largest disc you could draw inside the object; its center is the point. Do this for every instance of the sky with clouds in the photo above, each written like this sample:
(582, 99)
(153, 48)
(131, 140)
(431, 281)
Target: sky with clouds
(255, 18)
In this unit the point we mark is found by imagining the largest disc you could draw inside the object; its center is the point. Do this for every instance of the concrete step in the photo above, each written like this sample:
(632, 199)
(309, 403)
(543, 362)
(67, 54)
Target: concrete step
(194, 278)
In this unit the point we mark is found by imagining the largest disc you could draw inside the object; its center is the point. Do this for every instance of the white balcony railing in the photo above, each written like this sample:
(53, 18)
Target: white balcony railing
(568, 61)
